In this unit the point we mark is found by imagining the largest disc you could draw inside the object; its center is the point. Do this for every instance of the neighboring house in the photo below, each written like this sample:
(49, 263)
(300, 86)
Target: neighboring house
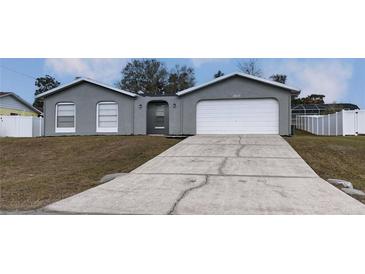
(232, 104)
(12, 104)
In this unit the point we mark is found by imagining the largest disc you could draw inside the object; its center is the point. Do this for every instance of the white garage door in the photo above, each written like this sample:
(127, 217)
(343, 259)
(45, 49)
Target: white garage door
(238, 116)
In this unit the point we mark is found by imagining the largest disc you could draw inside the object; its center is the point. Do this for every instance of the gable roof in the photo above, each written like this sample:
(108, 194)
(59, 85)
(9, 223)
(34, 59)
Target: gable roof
(3, 94)
(82, 79)
(293, 90)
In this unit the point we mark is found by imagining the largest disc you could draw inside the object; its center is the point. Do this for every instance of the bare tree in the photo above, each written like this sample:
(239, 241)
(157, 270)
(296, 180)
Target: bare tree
(250, 67)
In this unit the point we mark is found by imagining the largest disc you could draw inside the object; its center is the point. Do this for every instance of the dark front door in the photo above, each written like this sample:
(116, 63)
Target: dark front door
(158, 118)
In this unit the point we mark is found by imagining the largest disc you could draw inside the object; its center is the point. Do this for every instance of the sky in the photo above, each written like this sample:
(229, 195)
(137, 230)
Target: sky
(340, 80)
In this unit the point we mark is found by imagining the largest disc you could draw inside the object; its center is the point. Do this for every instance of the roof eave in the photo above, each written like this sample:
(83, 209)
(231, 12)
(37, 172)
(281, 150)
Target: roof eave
(294, 91)
(60, 88)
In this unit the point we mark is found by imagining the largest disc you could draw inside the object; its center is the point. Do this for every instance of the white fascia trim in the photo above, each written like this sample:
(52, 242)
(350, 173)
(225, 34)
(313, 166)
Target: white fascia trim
(86, 80)
(296, 90)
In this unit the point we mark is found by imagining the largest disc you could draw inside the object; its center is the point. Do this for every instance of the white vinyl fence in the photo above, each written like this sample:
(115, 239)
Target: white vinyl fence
(345, 122)
(21, 126)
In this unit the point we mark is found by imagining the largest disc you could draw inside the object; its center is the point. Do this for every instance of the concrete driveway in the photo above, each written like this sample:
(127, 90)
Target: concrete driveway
(223, 174)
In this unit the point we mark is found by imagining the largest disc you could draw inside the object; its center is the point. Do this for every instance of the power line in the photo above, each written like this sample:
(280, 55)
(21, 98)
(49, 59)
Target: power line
(21, 73)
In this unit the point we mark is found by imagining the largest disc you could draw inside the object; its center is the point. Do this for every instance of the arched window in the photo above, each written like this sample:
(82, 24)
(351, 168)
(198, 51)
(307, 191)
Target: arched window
(107, 117)
(65, 117)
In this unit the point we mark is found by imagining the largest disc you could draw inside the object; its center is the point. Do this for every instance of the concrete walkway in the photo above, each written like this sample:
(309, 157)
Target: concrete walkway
(232, 174)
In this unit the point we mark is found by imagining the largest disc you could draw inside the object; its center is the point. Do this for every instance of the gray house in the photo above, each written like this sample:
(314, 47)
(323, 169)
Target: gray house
(233, 104)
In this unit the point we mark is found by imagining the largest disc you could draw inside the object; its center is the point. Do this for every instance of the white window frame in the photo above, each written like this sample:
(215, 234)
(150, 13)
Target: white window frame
(65, 129)
(106, 129)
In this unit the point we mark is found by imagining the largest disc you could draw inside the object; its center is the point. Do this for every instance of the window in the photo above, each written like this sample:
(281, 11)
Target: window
(65, 117)
(160, 111)
(107, 117)
(160, 117)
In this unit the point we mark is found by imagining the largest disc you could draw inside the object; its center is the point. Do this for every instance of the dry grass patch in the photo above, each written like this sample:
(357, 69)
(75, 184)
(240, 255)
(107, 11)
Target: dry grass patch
(339, 157)
(38, 171)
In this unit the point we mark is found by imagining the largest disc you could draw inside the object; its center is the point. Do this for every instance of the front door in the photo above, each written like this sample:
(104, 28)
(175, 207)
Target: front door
(158, 118)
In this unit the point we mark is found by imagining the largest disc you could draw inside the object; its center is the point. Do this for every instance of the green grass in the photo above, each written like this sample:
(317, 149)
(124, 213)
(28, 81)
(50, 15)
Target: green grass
(339, 157)
(38, 171)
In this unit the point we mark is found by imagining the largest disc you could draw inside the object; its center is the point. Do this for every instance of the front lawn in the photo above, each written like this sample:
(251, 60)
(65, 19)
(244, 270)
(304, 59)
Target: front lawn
(339, 157)
(37, 171)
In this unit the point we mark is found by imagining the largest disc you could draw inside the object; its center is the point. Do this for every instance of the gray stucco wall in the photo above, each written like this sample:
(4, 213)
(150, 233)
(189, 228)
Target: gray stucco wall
(86, 96)
(235, 88)
(182, 110)
(140, 110)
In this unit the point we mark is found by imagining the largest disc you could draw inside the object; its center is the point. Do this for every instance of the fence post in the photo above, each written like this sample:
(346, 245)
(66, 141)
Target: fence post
(296, 121)
(300, 122)
(305, 123)
(17, 127)
(343, 122)
(336, 123)
(40, 126)
(328, 125)
(317, 126)
(356, 123)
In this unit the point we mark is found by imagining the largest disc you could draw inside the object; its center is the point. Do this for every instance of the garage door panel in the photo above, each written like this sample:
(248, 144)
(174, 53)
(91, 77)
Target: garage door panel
(238, 116)
(253, 118)
(208, 124)
(232, 115)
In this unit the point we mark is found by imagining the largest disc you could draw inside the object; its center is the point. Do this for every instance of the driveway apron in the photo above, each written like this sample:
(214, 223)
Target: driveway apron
(217, 174)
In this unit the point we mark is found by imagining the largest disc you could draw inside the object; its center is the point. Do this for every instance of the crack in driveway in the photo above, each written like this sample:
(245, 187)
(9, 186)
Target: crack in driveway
(221, 166)
(183, 195)
(239, 150)
(275, 188)
(239, 140)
